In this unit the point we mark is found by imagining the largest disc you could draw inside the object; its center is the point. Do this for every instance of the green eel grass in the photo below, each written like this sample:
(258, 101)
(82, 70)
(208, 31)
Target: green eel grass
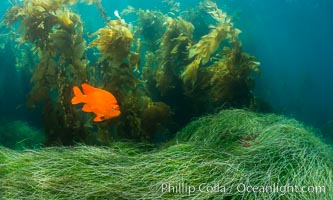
(221, 153)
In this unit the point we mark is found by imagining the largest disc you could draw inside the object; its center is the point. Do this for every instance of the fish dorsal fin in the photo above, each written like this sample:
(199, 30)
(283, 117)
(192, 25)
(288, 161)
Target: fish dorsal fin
(87, 88)
(78, 96)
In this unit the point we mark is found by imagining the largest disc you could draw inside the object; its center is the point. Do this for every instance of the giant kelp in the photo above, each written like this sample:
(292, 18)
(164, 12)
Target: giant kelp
(203, 74)
(150, 25)
(174, 42)
(231, 79)
(119, 36)
(56, 34)
(160, 67)
(167, 38)
(202, 51)
(116, 75)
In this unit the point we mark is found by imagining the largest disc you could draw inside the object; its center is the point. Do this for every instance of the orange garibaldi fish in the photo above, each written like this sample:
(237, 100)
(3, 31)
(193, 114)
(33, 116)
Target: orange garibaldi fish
(98, 101)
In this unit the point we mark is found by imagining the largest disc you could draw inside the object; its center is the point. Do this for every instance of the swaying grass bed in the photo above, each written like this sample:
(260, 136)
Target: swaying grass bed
(234, 154)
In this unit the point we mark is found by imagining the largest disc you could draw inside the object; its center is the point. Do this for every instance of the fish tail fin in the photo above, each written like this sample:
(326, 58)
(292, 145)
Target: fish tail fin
(78, 96)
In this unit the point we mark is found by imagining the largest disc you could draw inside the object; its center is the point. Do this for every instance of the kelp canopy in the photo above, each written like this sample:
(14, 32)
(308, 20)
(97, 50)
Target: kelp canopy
(161, 70)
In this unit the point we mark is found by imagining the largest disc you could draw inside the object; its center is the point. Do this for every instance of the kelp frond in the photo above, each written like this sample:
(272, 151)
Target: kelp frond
(202, 51)
(114, 40)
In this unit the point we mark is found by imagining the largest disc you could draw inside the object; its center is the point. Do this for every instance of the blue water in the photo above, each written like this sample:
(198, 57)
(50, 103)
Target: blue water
(293, 41)
(291, 38)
